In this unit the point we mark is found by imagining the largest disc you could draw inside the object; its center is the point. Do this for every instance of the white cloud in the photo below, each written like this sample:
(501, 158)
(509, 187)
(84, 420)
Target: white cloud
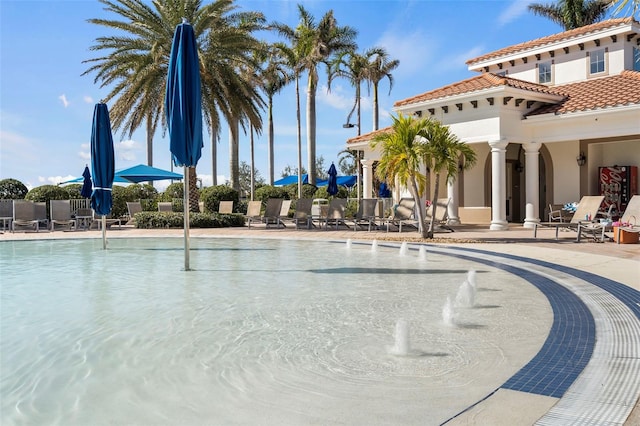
(54, 180)
(458, 60)
(207, 180)
(88, 99)
(413, 50)
(338, 98)
(516, 9)
(127, 150)
(63, 99)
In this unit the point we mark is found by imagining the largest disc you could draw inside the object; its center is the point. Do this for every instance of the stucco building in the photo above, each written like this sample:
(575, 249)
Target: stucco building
(542, 116)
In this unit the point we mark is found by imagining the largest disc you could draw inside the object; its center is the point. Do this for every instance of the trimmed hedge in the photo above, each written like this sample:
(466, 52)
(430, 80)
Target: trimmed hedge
(155, 220)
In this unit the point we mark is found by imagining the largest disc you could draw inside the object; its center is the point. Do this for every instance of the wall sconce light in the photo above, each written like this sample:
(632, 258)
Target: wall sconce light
(581, 159)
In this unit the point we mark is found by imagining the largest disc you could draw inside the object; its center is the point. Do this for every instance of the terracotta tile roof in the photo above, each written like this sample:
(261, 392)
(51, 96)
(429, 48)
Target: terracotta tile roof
(368, 136)
(555, 38)
(605, 92)
(479, 82)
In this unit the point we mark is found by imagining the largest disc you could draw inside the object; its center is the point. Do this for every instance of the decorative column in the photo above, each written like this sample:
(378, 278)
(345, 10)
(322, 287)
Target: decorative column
(532, 183)
(498, 186)
(452, 208)
(367, 178)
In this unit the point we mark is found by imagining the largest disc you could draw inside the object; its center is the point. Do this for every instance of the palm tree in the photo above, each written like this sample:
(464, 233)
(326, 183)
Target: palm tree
(445, 154)
(402, 154)
(135, 64)
(632, 5)
(353, 67)
(572, 14)
(316, 43)
(379, 67)
(274, 76)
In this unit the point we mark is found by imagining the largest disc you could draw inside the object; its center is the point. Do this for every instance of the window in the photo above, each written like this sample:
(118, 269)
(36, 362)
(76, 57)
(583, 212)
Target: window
(544, 72)
(636, 58)
(596, 61)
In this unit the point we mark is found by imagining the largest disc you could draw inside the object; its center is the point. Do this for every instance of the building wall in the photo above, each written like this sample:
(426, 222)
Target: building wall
(473, 192)
(566, 172)
(624, 153)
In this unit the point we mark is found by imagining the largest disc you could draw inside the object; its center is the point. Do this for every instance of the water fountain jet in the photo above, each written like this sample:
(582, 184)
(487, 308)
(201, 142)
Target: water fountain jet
(401, 347)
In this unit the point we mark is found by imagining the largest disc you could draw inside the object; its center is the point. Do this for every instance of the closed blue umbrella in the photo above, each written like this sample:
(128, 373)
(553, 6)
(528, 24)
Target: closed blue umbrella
(87, 188)
(102, 164)
(332, 183)
(183, 106)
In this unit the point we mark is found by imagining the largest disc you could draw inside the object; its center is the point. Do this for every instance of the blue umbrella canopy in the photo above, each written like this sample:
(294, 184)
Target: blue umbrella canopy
(144, 173)
(102, 160)
(183, 99)
(87, 187)
(332, 183)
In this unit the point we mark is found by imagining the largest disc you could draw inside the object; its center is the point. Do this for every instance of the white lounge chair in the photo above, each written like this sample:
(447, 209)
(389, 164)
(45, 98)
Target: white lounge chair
(225, 207)
(253, 212)
(336, 212)
(60, 211)
(24, 216)
(403, 214)
(367, 213)
(587, 208)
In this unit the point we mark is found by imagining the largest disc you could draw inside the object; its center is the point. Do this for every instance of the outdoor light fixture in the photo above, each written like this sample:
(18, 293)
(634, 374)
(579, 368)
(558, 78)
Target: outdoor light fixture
(348, 126)
(581, 159)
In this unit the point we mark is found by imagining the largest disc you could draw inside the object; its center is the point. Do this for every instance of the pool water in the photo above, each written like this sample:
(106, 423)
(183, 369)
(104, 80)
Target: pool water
(259, 332)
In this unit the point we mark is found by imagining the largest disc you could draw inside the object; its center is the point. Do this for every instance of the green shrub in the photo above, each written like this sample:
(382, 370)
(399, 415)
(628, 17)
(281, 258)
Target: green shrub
(322, 193)
(74, 191)
(12, 189)
(138, 191)
(267, 191)
(155, 220)
(309, 191)
(46, 193)
(175, 190)
(212, 195)
(119, 201)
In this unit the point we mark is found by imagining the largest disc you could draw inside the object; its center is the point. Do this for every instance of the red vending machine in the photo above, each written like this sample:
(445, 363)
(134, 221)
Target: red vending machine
(618, 184)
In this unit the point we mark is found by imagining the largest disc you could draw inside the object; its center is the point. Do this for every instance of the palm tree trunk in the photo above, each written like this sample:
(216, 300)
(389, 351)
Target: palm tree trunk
(375, 106)
(149, 141)
(413, 189)
(270, 152)
(214, 158)
(311, 130)
(358, 98)
(299, 137)
(253, 163)
(234, 165)
(434, 204)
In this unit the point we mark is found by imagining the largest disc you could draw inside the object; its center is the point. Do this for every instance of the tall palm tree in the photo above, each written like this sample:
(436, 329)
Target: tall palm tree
(620, 6)
(316, 42)
(572, 14)
(353, 67)
(445, 154)
(402, 153)
(135, 63)
(379, 67)
(274, 76)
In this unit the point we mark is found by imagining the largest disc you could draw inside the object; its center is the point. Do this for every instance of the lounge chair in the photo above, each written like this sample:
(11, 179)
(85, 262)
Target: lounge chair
(336, 212)
(6, 213)
(303, 212)
(60, 211)
(165, 206)
(225, 207)
(133, 208)
(272, 212)
(84, 218)
(631, 217)
(284, 211)
(587, 208)
(440, 222)
(24, 215)
(253, 212)
(366, 214)
(403, 214)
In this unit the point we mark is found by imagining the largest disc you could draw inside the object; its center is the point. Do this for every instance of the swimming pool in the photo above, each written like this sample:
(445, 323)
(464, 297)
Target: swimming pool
(261, 331)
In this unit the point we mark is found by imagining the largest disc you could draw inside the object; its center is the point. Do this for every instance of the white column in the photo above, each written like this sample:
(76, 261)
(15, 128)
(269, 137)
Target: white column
(367, 178)
(498, 186)
(452, 209)
(532, 183)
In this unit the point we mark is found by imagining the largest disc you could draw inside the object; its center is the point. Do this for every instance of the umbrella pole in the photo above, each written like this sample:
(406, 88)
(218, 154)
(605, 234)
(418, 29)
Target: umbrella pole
(186, 218)
(104, 232)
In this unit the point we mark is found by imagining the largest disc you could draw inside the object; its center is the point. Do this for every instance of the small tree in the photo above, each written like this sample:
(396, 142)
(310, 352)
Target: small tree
(12, 189)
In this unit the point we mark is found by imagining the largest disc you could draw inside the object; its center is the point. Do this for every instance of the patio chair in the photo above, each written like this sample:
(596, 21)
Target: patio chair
(366, 214)
(587, 208)
(302, 213)
(225, 207)
(284, 211)
(24, 215)
(403, 214)
(440, 222)
(60, 211)
(6, 213)
(41, 214)
(272, 212)
(84, 218)
(253, 212)
(133, 207)
(631, 217)
(109, 222)
(165, 206)
(336, 213)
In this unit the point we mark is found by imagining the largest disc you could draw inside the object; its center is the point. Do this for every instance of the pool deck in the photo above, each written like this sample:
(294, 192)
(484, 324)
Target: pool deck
(587, 370)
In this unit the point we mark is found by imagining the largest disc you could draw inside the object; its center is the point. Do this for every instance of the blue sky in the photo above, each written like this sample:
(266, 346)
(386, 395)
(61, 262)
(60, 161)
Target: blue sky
(46, 105)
